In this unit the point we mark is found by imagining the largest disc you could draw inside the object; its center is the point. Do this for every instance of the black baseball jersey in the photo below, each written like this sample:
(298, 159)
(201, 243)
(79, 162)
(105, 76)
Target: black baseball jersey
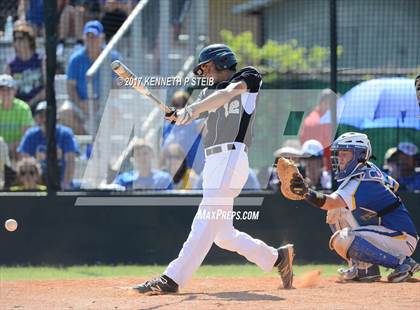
(233, 122)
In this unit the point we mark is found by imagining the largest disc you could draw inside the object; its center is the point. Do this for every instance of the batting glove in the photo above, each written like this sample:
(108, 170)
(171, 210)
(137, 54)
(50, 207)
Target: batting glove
(184, 116)
(171, 116)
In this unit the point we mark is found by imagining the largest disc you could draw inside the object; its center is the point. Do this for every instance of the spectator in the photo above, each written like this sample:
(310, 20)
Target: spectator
(150, 26)
(188, 136)
(28, 67)
(315, 127)
(143, 176)
(67, 117)
(417, 85)
(267, 176)
(4, 161)
(28, 176)
(80, 62)
(8, 8)
(34, 144)
(179, 10)
(116, 12)
(314, 172)
(15, 115)
(401, 165)
(390, 162)
(71, 20)
(174, 162)
(34, 11)
(290, 149)
(252, 183)
(92, 9)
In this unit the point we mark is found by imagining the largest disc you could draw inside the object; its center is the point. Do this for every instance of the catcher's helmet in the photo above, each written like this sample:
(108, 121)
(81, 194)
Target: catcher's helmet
(221, 54)
(356, 142)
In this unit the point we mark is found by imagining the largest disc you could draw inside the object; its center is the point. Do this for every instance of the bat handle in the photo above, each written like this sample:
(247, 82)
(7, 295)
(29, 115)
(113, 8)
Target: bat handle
(169, 111)
(170, 116)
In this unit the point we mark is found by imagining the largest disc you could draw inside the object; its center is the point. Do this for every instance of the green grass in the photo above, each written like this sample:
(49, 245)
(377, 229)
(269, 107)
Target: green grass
(103, 271)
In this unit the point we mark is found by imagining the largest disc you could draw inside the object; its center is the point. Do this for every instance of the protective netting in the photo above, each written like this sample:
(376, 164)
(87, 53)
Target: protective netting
(111, 137)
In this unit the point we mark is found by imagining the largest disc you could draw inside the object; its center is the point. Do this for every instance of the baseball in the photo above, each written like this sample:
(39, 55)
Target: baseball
(11, 225)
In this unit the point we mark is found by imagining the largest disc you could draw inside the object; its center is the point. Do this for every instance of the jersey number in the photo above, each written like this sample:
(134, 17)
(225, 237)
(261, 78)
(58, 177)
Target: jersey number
(231, 108)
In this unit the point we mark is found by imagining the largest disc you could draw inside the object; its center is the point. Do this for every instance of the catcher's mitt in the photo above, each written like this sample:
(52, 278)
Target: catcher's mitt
(292, 184)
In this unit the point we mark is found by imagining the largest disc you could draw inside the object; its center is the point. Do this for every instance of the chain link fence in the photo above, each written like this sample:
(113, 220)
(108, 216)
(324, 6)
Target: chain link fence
(110, 137)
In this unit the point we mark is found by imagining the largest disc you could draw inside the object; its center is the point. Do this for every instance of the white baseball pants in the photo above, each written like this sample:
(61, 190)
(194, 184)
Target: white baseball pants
(224, 175)
(390, 241)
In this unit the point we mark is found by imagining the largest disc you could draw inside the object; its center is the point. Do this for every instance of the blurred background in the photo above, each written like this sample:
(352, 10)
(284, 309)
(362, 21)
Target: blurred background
(93, 173)
(328, 67)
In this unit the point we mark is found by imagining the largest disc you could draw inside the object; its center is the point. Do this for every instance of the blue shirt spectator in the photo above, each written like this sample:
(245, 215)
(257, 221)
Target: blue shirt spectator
(81, 60)
(34, 144)
(143, 176)
(401, 162)
(79, 64)
(156, 180)
(252, 183)
(410, 183)
(35, 12)
(189, 137)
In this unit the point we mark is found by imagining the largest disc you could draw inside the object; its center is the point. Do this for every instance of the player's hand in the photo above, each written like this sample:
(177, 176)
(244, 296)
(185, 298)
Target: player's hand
(184, 116)
(171, 116)
(298, 185)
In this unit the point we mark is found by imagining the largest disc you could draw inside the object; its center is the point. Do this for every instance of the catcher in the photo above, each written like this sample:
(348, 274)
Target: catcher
(386, 235)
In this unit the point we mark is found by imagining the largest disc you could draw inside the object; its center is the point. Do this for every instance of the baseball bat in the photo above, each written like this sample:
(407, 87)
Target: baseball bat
(123, 72)
(118, 163)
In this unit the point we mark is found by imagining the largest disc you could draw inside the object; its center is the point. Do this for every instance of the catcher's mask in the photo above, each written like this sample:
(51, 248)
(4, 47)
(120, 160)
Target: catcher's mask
(220, 54)
(358, 144)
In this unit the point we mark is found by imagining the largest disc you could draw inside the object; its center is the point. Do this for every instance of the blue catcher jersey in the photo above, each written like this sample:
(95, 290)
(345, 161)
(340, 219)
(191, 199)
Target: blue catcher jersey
(369, 192)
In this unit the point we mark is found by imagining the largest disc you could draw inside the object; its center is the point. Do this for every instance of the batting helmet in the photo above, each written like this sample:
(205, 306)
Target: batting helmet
(220, 54)
(356, 142)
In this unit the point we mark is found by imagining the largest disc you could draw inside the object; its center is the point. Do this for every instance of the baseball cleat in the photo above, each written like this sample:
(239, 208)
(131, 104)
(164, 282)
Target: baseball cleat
(347, 274)
(371, 274)
(157, 286)
(415, 269)
(404, 271)
(284, 264)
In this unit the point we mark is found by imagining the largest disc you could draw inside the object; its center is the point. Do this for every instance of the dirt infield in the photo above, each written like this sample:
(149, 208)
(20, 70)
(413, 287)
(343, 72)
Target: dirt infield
(210, 293)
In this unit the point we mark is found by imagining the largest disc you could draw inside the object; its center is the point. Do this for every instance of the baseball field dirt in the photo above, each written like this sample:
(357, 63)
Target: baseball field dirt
(311, 292)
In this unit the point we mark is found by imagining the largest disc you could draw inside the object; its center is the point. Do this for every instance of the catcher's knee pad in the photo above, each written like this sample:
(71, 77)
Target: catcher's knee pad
(341, 241)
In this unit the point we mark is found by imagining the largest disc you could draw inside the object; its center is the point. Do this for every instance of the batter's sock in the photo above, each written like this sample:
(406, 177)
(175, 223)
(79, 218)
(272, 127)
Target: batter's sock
(365, 251)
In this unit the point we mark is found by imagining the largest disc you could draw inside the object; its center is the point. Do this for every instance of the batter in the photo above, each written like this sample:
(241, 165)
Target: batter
(229, 108)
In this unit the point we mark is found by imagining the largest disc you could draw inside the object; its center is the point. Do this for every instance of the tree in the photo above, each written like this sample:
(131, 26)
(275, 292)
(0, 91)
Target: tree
(274, 56)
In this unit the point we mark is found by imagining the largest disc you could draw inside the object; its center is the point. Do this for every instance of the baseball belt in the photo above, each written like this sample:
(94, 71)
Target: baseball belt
(218, 148)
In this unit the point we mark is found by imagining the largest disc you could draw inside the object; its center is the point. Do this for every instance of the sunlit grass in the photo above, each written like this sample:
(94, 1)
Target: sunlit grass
(103, 271)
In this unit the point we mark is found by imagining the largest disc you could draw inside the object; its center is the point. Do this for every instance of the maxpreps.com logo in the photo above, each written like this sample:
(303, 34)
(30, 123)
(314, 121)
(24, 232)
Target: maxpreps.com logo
(168, 81)
(220, 214)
